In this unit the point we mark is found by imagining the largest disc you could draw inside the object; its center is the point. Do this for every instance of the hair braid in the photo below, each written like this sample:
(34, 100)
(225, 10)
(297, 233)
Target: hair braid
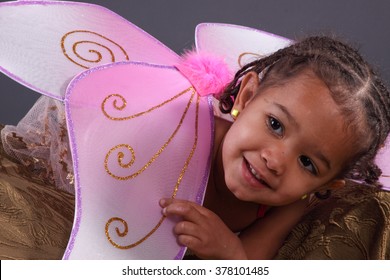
(231, 91)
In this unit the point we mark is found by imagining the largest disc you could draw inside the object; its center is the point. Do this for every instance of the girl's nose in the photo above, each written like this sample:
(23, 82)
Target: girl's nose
(274, 160)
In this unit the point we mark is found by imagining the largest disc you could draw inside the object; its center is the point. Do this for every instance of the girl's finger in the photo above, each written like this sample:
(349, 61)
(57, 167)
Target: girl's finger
(187, 211)
(164, 202)
(189, 241)
(186, 228)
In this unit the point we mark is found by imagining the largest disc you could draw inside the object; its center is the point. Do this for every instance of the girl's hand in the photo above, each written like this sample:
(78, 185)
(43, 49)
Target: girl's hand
(202, 231)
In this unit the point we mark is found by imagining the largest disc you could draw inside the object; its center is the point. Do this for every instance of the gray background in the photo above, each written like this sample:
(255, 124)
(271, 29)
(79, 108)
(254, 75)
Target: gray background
(364, 23)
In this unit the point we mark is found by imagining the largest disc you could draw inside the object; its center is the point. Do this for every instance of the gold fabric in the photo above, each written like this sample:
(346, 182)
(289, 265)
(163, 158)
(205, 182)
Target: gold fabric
(36, 220)
(354, 223)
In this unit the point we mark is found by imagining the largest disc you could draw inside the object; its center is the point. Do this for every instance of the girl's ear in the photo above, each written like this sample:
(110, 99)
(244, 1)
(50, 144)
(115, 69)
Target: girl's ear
(334, 185)
(337, 184)
(248, 88)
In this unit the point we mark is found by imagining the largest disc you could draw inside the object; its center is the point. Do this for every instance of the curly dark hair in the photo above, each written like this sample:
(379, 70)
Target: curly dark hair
(355, 87)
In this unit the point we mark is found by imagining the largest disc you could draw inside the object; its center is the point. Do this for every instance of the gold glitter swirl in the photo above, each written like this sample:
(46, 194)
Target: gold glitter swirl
(100, 43)
(124, 104)
(152, 159)
(121, 155)
(241, 63)
(125, 231)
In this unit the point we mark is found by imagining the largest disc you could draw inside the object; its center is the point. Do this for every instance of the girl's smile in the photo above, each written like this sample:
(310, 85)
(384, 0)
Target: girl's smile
(253, 177)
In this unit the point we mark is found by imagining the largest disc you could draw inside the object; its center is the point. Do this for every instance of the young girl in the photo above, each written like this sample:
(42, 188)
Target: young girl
(306, 119)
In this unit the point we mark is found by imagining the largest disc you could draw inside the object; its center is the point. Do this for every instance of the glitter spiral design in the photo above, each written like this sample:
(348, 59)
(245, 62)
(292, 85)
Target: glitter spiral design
(87, 48)
(247, 57)
(125, 231)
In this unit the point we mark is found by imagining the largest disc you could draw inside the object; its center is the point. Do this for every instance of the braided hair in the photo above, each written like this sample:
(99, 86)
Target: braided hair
(361, 95)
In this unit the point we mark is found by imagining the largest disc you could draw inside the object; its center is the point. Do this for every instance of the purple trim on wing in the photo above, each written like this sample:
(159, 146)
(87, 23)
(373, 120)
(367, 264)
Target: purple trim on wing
(78, 212)
(109, 65)
(181, 253)
(385, 184)
(202, 189)
(28, 85)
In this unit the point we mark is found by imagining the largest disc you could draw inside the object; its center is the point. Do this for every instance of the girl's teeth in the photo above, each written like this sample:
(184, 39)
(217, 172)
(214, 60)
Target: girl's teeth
(254, 173)
(257, 176)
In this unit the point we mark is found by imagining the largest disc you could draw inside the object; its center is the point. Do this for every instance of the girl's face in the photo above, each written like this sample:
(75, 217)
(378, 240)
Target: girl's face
(289, 140)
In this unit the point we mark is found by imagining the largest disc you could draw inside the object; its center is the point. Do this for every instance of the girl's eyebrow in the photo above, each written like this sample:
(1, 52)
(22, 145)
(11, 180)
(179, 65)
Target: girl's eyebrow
(293, 121)
(287, 113)
(324, 159)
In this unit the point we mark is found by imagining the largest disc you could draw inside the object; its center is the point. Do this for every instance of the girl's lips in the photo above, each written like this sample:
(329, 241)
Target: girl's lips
(252, 177)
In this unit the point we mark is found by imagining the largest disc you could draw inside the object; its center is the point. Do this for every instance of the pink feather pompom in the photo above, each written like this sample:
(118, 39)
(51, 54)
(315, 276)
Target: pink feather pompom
(208, 73)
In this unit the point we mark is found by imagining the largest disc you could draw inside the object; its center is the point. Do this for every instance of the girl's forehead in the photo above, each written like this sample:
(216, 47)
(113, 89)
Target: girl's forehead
(304, 90)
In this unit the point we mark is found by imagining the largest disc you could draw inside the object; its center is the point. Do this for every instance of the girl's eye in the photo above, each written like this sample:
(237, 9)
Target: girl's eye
(308, 164)
(275, 126)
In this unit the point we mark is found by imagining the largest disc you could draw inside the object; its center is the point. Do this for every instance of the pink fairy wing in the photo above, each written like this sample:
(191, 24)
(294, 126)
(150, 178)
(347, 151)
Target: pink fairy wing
(237, 44)
(383, 161)
(44, 44)
(139, 133)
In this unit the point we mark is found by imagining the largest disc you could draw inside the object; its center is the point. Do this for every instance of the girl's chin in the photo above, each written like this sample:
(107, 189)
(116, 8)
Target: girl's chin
(242, 195)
